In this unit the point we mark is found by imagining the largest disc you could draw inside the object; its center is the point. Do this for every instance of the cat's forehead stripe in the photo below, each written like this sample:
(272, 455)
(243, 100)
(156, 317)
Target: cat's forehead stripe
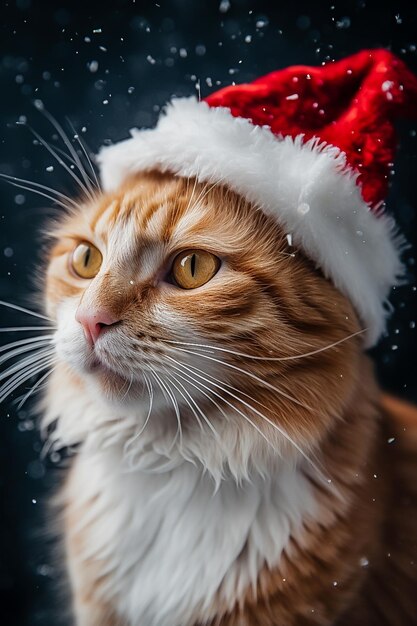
(154, 224)
(102, 219)
(127, 224)
(191, 219)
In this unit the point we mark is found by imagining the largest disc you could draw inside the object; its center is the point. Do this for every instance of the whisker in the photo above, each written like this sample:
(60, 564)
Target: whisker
(197, 385)
(22, 349)
(15, 382)
(22, 342)
(191, 403)
(37, 191)
(270, 358)
(192, 193)
(137, 435)
(151, 394)
(128, 389)
(193, 384)
(270, 422)
(34, 388)
(174, 404)
(250, 375)
(206, 190)
(317, 469)
(221, 382)
(71, 160)
(60, 161)
(23, 310)
(16, 329)
(84, 149)
(40, 186)
(220, 409)
(24, 362)
(172, 378)
(69, 145)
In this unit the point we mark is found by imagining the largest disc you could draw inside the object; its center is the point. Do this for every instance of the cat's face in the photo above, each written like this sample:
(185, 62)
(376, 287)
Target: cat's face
(187, 291)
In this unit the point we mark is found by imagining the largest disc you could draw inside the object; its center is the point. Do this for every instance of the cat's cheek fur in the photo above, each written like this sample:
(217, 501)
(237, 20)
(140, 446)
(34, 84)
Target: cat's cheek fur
(70, 344)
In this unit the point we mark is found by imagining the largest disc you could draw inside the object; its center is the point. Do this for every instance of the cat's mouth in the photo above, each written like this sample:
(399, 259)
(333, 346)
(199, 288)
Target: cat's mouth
(105, 373)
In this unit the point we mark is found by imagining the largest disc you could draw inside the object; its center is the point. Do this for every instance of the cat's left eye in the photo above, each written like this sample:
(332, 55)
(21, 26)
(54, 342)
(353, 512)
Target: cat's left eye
(86, 260)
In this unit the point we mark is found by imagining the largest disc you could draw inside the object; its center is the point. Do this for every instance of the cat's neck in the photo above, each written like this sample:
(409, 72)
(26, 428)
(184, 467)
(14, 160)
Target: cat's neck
(221, 536)
(216, 534)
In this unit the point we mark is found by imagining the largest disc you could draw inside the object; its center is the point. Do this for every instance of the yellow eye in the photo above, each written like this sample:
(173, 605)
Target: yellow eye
(86, 260)
(193, 268)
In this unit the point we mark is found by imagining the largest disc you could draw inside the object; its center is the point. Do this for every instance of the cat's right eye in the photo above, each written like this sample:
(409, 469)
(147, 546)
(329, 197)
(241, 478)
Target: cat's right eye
(86, 260)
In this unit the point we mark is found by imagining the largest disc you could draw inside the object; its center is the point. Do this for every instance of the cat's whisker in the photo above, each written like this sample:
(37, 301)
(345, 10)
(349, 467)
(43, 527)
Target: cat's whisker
(22, 342)
(174, 402)
(267, 358)
(128, 388)
(138, 434)
(23, 310)
(45, 188)
(9, 387)
(17, 329)
(208, 397)
(12, 180)
(250, 375)
(34, 345)
(164, 393)
(71, 160)
(35, 387)
(198, 386)
(206, 190)
(192, 193)
(25, 362)
(85, 151)
(175, 382)
(280, 430)
(206, 375)
(149, 388)
(82, 185)
(192, 404)
(218, 407)
(68, 144)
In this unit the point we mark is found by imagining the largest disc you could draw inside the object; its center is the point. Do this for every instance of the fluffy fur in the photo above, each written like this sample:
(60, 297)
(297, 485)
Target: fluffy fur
(306, 186)
(234, 465)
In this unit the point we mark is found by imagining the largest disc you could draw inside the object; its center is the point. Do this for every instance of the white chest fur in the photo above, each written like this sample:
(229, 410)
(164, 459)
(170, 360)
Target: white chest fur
(172, 546)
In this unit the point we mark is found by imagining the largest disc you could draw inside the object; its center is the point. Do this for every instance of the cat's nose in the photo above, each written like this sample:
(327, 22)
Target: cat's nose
(94, 322)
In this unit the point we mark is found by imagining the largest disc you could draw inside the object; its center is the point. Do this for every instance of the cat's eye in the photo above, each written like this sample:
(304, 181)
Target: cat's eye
(86, 260)
(194, 268)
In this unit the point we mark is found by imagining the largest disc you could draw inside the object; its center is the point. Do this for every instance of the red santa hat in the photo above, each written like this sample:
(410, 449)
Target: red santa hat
(311, 146)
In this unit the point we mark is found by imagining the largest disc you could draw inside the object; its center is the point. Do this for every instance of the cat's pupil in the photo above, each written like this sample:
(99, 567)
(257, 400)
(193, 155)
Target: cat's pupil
(193, 263)
(87, 257)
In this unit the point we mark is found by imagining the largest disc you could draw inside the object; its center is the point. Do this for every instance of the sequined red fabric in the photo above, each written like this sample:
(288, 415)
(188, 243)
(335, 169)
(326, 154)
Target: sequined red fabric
(351, 104)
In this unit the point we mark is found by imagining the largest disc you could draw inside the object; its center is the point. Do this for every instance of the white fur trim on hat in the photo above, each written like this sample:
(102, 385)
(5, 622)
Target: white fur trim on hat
(308, 188)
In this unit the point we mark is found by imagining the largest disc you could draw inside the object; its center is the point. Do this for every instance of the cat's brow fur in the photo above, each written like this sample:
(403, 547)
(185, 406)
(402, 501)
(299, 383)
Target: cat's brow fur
(320, 417)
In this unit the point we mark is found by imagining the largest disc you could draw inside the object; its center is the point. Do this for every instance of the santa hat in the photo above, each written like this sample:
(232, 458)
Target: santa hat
(310, 146)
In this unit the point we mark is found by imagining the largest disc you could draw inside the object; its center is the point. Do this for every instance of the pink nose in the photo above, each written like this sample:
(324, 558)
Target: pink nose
(94, 321)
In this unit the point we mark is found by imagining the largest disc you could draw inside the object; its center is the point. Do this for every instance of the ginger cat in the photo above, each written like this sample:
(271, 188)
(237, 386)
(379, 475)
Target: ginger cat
(237, 464)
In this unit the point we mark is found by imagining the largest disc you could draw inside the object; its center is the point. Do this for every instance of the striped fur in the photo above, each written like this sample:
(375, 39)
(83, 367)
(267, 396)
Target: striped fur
(240, 421)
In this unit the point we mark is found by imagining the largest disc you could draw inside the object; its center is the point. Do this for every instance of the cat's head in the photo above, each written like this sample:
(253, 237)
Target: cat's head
(185, 312)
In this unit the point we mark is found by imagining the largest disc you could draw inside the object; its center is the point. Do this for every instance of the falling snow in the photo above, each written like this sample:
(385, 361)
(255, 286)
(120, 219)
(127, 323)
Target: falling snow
(109, 75)
(93, 66)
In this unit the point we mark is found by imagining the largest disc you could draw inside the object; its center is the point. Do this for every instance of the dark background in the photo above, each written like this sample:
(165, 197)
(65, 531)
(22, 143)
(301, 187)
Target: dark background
(109, 66)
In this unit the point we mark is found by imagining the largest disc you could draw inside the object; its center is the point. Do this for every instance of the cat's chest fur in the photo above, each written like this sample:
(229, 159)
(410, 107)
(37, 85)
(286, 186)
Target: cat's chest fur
(171, 545)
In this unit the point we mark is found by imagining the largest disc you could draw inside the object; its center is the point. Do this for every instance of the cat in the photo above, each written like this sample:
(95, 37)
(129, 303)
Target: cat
(236, 464)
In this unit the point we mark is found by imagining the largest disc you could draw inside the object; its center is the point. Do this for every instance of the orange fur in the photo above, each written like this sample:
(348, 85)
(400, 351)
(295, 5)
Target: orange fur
(357, 565)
